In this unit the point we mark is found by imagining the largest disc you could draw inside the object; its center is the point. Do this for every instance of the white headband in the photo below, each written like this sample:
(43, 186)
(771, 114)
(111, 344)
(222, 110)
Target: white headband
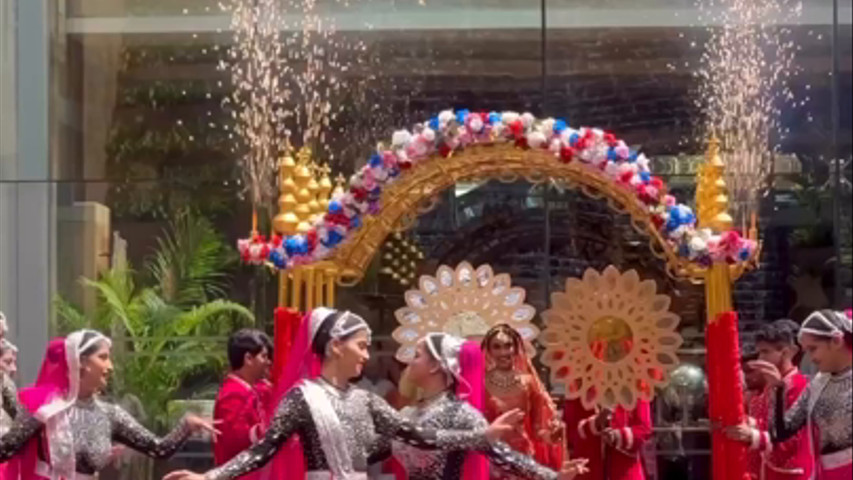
(836, 329)
(345, 325)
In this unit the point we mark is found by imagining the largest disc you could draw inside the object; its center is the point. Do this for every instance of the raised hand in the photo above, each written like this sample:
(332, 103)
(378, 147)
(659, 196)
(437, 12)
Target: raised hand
(198, 424)
(183, 475)
(739, 433)
(573, 468)
(602, 420)
(504, 424)
(610, 436)
(769, 371)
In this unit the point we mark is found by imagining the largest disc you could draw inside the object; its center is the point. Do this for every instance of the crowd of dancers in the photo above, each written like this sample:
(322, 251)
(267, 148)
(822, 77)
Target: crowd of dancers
(474, 410)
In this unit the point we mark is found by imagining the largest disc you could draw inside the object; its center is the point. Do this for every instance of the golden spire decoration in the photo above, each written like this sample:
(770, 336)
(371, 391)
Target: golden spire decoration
(303, 178)
(325, 191)
(712, 201)
(286, 222)
(340, 184)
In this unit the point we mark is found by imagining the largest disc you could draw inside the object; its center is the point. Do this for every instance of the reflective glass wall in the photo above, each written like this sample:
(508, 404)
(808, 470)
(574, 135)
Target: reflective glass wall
(117, 165)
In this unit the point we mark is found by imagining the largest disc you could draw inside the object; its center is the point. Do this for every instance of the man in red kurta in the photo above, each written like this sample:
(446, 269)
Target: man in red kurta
(793, 459)
(239, 408)
(616, 437)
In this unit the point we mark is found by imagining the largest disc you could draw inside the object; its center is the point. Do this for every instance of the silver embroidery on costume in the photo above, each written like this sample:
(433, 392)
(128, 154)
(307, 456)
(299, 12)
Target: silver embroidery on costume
(366, 417)
(96, 425)
(832, 413)
(446, 412)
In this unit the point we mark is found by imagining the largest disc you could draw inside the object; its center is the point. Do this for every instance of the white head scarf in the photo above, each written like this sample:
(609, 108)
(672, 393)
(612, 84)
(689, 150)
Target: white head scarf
(827, 324)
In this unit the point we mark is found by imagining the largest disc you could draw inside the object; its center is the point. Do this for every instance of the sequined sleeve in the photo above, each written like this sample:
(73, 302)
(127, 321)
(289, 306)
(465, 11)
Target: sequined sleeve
(500, 454)
(391, 423)
(127, 431)
(786, 424)
(10, 397)
(289, 419)
(24, 428)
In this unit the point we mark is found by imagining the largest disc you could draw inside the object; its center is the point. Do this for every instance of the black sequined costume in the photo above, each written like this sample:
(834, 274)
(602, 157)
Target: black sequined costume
(9, 397)
(95, 425)
(446, 412)
(365, 417)
(832, 414)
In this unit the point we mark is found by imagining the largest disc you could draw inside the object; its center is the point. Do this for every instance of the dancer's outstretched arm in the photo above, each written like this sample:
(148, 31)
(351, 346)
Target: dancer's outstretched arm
(391, 423)
(289, 419)
(505, 458)
(129, 432)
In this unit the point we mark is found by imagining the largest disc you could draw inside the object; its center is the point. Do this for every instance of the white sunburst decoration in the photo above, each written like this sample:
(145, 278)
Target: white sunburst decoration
(465, 302)
(610, 338)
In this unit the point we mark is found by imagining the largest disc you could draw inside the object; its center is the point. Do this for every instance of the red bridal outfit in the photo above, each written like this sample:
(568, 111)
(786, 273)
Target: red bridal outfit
(520, 388)
(624, 461)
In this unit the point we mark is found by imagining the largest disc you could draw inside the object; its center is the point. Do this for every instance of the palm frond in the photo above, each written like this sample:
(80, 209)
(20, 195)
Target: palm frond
(189, 261)
(68, 317)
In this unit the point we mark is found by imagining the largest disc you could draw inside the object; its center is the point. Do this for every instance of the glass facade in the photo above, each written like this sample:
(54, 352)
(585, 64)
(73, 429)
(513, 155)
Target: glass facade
(116, 164)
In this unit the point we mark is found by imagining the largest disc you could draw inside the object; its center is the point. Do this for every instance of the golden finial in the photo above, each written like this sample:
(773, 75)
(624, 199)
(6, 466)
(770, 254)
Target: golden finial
(340, 183)
(324, 194)
(286, 221)
(303, 179)
(712, 201)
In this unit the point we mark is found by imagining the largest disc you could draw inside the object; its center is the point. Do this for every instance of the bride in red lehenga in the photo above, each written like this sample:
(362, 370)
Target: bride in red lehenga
(511, 382)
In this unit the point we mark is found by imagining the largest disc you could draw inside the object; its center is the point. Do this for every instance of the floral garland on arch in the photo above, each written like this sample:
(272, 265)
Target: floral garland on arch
(453, 131)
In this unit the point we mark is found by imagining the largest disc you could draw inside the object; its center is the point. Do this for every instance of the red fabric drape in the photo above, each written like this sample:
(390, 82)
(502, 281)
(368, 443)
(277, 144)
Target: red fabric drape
(726, 396)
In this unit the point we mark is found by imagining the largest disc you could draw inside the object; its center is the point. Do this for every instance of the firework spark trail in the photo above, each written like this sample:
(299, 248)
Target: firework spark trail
(298, 77)
(745, 76)
(257, 101)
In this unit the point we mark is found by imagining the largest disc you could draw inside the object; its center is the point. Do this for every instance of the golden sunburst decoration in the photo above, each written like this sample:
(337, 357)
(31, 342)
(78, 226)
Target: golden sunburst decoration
(465, 302)
(610, 338)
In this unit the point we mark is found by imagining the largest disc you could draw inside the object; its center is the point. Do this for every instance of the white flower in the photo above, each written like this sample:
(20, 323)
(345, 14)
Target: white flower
(401, 138)
(612, 169)
(536, 139)
(476, 124)
(446, 117)
(509, 117)
(527, 119)
(428, 135)
(548, 126)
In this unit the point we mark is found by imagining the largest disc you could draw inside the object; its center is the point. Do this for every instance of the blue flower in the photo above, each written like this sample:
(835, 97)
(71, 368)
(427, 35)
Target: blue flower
(355, 222)
(334, 238)
(743, 255)
(573, 140)
(376, 160)
(560, 126)
(433, 123)
(646, 177)
(462, 115)
(494, 117)
(633, 156)
(291, 246)
(611, 154)
(335, 207)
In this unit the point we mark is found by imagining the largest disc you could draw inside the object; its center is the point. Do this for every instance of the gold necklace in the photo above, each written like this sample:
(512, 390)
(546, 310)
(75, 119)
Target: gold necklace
(503, 380)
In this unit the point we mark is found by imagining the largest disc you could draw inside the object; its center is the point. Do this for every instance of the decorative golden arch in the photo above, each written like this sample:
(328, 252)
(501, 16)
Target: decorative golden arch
(415, 192)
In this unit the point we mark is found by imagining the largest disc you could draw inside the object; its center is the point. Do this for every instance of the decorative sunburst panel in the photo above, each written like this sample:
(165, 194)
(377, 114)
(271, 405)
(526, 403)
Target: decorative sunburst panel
(465, 302)
(610, 338)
